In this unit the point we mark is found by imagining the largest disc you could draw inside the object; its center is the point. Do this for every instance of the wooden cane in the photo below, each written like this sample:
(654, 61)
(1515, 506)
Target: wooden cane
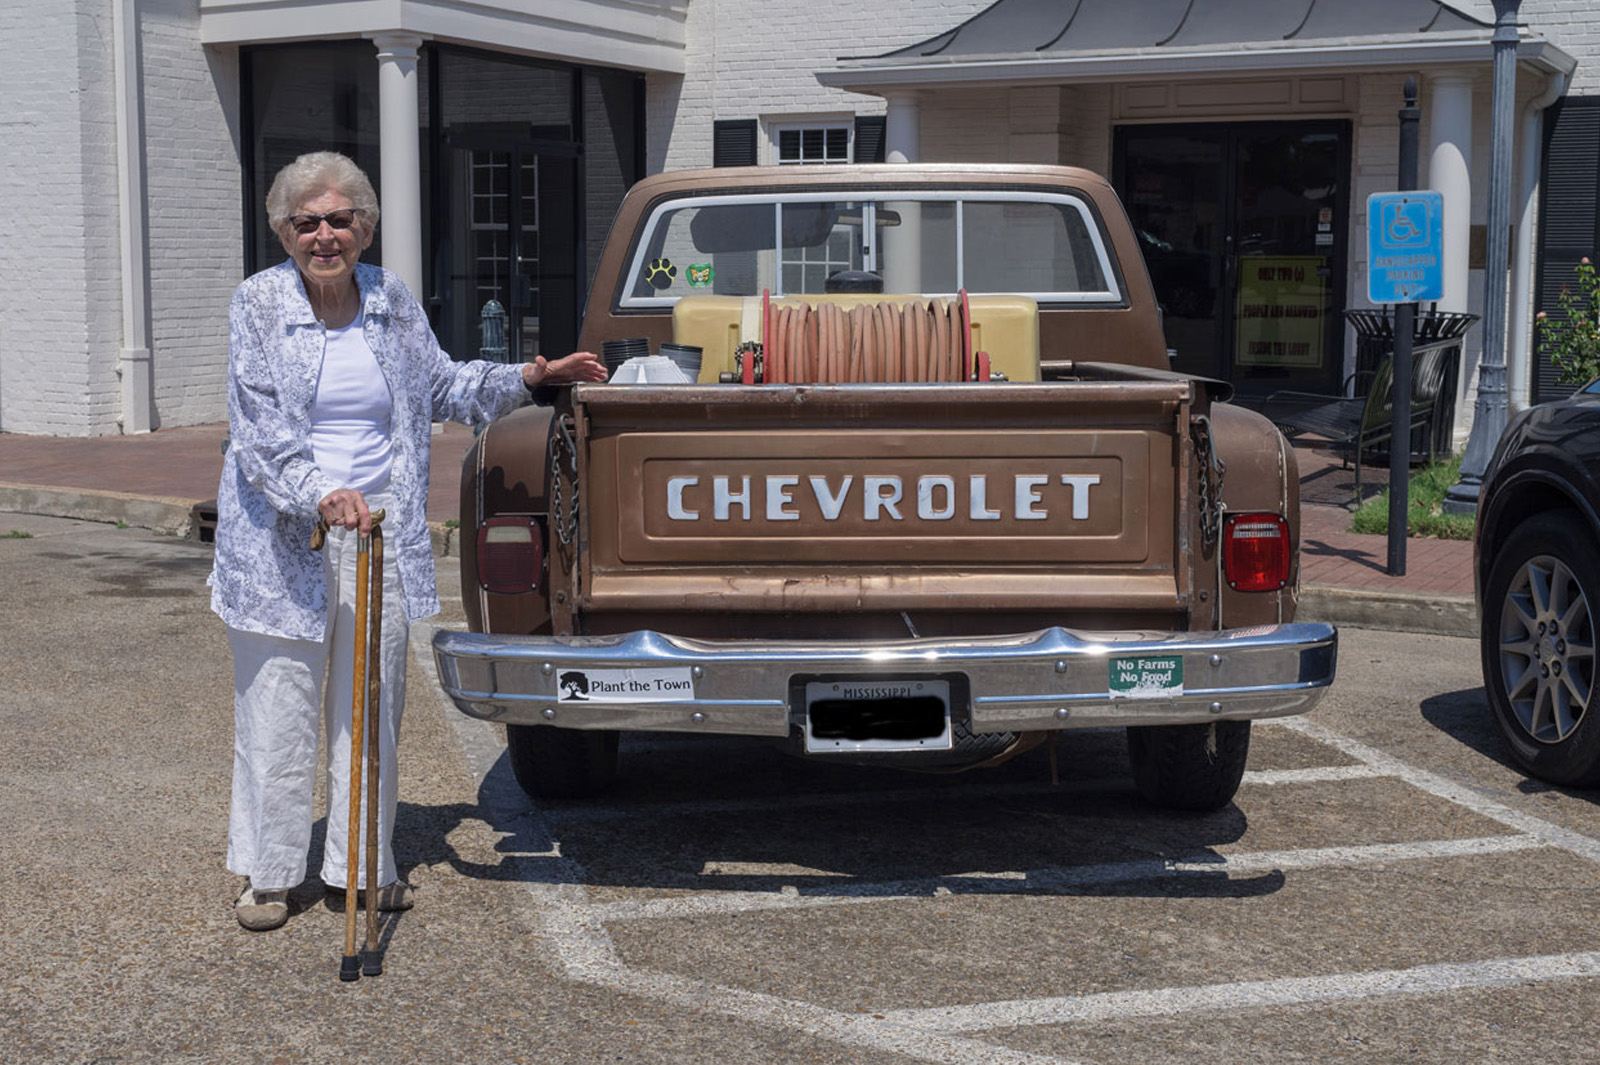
(372, 964)
(350, 965)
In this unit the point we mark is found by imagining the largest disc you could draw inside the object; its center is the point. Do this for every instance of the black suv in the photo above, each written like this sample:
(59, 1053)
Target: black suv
(1537, 572)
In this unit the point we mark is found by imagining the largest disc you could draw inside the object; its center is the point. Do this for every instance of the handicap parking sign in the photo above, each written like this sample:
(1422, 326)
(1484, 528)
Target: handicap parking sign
(1405, 247)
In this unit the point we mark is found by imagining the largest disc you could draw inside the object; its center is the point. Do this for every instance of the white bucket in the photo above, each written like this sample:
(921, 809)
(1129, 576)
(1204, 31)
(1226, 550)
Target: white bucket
(649, 370)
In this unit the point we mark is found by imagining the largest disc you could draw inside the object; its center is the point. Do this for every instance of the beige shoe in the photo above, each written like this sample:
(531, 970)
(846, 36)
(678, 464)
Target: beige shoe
(261, 911)
(392, 897)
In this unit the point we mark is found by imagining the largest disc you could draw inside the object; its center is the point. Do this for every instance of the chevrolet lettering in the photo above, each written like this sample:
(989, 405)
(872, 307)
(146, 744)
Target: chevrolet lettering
(931, 497)
(933, 510)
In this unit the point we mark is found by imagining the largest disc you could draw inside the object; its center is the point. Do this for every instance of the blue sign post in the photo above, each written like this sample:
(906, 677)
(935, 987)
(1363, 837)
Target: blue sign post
(1405, 247)
(1405, 264)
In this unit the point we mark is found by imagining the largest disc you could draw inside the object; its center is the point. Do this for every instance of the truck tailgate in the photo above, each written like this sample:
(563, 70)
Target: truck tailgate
(871, 497)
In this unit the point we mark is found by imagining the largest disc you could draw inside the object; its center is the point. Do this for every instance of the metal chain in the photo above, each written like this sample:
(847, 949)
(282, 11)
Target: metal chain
(564, 516)
(555, 488)
(1212, 472)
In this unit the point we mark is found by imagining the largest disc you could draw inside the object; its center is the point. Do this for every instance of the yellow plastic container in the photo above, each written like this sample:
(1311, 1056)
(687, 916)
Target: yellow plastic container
(1007, 327)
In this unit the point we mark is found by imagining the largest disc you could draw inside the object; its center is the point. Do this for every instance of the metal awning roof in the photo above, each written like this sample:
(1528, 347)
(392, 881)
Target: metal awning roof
(1023, 41)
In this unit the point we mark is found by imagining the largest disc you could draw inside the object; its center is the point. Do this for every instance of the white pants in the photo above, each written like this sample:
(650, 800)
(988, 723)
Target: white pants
(278, 687)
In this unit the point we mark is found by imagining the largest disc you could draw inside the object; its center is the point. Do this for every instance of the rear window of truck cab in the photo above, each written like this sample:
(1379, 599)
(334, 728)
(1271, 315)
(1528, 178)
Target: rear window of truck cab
(1048, 246)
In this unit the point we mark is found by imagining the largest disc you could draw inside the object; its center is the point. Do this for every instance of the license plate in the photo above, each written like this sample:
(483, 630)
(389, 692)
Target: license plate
(877, 714)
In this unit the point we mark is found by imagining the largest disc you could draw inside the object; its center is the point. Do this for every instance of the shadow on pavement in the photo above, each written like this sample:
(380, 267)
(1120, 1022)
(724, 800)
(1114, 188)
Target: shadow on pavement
(683, 819)
(1465, 716)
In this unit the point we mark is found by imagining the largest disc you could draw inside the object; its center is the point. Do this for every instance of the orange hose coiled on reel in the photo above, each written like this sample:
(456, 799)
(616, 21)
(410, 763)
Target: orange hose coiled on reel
(881, 343)
(884, 343)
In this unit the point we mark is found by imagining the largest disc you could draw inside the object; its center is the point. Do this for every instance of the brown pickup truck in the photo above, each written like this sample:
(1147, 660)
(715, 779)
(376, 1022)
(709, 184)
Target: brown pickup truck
(933, 497)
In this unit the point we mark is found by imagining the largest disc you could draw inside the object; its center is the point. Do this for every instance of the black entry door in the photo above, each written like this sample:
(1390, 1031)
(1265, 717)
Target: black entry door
(511, 248)
(1243, 229)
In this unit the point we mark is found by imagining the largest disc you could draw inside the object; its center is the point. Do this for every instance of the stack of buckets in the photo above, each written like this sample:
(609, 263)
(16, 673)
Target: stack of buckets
(618, 353)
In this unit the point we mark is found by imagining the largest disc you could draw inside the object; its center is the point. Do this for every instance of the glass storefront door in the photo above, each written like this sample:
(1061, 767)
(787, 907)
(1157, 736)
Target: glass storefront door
(1243, 230)
(513, 253)
(527, 162)
(524, 163)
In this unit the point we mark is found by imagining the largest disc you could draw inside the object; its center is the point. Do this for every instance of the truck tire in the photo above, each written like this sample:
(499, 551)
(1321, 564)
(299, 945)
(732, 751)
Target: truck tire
(1538, 632)
(1189, 767)
(559, 763)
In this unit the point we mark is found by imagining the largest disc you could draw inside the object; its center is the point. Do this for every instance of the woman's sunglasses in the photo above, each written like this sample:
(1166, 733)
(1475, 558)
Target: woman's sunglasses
(305, 224)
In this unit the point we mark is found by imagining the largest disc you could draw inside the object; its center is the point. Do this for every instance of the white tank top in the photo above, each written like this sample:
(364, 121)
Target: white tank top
(350, 416)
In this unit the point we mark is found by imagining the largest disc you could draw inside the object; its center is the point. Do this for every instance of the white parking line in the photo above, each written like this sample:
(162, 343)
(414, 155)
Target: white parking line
(1551, 834)
(1322, 774)
(586, 953)
(872, 1031)
(1252, 994)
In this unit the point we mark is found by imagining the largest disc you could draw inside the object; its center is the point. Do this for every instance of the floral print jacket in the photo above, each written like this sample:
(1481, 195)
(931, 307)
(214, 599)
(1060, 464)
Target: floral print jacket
(266, 578)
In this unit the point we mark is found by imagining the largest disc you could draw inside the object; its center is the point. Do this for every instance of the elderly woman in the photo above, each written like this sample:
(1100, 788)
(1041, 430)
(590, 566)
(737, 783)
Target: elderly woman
(335, 379)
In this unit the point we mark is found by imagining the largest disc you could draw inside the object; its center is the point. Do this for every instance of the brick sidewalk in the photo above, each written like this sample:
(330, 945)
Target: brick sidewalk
(1333, 556)
(183, 463)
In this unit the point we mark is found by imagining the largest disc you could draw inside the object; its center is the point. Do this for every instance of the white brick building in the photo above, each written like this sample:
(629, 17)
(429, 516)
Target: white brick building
(137, 138)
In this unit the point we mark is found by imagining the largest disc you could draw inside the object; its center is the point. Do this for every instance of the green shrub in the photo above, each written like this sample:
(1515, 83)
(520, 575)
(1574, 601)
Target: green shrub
(1425, 516)
(1572, 340)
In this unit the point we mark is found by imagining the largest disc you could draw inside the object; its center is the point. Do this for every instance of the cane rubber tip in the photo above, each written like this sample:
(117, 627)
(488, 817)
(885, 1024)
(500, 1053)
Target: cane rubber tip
(371, 966)
(349, 968)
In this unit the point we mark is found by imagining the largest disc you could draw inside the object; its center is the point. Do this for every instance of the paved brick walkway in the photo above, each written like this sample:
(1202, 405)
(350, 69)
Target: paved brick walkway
(1333, 556)
(181, 463)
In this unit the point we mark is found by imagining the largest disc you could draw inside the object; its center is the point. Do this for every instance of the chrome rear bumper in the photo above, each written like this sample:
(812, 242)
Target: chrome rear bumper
(1050, 679)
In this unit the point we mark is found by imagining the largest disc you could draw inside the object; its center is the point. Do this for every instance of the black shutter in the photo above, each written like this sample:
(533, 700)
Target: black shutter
(733, 142)
(1569, 215)
(869, 138)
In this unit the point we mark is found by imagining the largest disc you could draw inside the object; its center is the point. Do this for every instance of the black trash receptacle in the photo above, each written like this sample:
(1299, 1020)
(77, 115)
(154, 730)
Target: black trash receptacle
(1374, 343)
(1436, 342)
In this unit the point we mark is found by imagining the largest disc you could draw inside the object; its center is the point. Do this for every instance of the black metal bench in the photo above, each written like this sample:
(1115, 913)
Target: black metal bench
(1354, 424)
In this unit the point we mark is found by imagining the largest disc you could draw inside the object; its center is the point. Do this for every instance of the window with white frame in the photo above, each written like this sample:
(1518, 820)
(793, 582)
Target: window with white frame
(825, 143)
(828, 144)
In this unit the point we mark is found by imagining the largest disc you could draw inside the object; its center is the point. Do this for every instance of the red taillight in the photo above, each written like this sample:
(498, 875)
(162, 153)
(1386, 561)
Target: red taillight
(1255, 552)
(510, 554)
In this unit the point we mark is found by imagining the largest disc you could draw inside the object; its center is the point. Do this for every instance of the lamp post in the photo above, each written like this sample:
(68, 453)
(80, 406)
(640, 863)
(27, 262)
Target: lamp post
(1489, 414)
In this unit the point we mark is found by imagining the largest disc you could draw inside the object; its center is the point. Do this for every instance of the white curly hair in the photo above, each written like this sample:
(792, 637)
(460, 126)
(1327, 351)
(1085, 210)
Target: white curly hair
(315, 173)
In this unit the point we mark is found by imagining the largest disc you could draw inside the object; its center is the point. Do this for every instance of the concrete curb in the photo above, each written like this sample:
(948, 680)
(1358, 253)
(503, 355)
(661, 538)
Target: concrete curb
(171, 516)
(1438, 615)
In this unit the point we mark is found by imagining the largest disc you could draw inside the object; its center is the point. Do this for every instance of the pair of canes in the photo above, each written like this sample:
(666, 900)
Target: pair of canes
(365, 691)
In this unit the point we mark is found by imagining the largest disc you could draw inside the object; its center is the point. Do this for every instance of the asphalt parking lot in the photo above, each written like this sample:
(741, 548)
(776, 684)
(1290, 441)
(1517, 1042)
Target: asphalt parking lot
(1386, 888)
(1355, 902)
